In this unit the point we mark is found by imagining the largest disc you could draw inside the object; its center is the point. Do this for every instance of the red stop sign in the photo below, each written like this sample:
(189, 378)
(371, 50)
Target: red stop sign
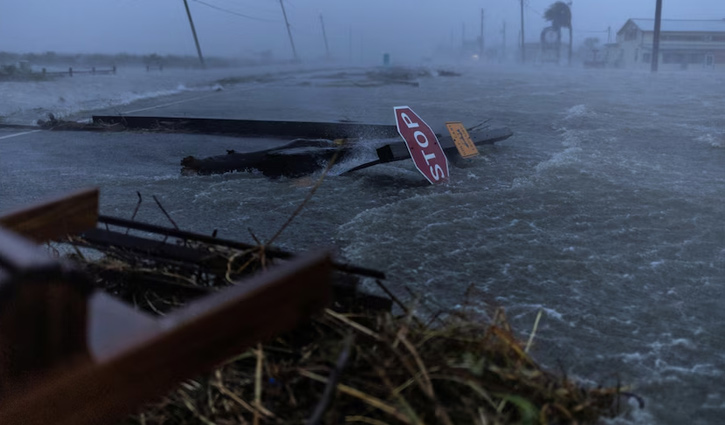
(422, 144)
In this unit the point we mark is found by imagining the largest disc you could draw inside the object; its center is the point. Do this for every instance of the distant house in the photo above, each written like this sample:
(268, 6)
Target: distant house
(684, 44)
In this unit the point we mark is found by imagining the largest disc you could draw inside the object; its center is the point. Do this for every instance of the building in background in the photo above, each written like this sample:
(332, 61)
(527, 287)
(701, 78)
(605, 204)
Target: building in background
(684, 45)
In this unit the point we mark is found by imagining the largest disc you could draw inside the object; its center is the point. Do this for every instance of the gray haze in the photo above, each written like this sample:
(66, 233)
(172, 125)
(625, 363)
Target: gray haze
(408, 29)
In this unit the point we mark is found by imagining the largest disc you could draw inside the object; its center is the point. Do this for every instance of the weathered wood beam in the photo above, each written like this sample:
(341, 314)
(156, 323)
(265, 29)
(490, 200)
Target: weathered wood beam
(42, 314)
(184, 344)
(56, 218)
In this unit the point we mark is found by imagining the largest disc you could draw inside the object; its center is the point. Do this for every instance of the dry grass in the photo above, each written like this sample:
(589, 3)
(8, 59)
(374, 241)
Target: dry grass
(395, 370)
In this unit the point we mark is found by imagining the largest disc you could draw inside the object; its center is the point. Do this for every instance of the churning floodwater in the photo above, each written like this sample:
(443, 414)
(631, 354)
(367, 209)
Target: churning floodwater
(604, 210)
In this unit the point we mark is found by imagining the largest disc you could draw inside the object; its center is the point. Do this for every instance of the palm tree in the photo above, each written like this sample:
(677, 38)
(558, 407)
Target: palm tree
(559, 14)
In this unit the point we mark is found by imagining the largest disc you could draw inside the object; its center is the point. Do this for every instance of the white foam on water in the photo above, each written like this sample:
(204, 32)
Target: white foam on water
(25, 102)
(714, 141)
(577, 111)
(564, 158)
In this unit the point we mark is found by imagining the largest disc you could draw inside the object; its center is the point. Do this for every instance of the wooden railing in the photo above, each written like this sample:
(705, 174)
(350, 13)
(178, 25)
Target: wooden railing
(70, 354)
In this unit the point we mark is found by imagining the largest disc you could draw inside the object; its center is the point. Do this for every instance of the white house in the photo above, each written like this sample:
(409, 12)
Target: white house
(684, 44)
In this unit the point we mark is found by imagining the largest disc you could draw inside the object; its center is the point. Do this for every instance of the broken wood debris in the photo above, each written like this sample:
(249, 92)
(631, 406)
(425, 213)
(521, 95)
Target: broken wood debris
(64, 346)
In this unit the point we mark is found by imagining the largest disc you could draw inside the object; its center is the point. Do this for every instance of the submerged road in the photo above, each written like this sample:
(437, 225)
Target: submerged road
(604, 210)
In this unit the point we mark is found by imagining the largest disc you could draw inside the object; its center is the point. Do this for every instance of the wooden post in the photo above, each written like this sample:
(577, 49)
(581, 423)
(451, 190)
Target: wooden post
(193, 32)
(289, 31)
(481, 42)
(523, 49)
(42, 316)
(656, 41)
(503, 45)
(324, 35)
(463, 35)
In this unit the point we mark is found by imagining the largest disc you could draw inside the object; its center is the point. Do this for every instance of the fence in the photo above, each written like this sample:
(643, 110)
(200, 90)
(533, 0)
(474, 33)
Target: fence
(71, 71)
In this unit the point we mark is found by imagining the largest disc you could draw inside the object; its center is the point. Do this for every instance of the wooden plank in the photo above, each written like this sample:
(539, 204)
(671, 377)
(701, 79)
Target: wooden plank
(195, 340)
(56, 218)
(42, 314)
(42, 330)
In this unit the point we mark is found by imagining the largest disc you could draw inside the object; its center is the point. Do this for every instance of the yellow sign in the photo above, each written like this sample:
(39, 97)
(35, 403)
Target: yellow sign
(462, 140)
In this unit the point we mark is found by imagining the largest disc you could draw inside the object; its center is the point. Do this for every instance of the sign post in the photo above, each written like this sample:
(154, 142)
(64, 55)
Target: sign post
(422, 144)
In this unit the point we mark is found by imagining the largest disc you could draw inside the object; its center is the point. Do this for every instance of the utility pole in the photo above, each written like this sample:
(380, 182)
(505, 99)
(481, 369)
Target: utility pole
(656, 42)
(193, 32)
(289, 32)
(481, 43)
(350, 44)
(324, 35)
(609, 34)
(523, 51)
(503, 47)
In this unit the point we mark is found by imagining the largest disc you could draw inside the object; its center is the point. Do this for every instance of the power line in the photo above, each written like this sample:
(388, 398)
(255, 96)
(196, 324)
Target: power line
(251, 7)
(534, 10)
(235, 13)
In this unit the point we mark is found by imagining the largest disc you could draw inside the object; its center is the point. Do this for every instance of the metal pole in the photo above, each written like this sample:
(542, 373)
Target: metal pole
(289, 32)
(193, 32)
(324, 35)
(523, 52)
(656, 41)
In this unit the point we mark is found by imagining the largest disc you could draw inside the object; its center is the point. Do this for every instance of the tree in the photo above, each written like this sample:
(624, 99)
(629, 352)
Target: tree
(559, 14)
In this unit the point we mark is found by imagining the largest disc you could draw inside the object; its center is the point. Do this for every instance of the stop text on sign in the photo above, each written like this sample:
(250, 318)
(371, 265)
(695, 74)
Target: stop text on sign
(422, 144)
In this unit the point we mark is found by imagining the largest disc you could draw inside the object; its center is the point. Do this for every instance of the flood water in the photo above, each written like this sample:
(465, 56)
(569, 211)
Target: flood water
(605, 209)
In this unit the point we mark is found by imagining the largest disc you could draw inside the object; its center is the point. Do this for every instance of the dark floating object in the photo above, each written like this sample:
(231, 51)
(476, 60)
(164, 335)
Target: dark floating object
(302, 157)
(295, 159)
(314, 144)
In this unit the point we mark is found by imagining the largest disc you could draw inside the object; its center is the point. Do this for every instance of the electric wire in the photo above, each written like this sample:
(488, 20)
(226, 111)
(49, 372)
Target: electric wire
(221, 9)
